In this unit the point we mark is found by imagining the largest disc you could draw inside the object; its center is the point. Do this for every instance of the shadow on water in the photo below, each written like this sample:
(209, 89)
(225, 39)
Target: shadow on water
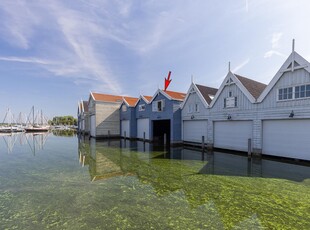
(213, 162)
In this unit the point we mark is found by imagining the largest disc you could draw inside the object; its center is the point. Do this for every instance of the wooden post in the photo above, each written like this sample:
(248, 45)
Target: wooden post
(109, 134)
(203, 142)
(125, 135)
(249, 148)
(143, 136)
(165, 139)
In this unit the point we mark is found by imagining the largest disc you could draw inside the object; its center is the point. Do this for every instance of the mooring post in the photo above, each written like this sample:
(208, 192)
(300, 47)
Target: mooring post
(203, 142)
(143, 136)
(125, 135)
(109, 134)
(249, 148)
(165, 139)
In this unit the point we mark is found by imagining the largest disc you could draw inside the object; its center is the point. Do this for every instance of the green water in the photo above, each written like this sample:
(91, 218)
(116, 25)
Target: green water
(70, 184)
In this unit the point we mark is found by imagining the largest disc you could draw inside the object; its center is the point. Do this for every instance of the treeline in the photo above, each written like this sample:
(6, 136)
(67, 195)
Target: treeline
(63, 120)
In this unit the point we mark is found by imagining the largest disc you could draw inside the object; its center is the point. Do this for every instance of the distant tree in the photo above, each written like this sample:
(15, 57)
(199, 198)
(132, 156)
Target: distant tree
(63, 120)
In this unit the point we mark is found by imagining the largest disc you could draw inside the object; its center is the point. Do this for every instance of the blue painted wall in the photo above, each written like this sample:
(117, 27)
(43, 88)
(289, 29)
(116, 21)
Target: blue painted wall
(172, 112)
(130, 115)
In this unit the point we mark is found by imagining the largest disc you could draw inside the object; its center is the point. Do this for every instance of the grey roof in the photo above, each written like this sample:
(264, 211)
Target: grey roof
(206, 92)
(255, 88)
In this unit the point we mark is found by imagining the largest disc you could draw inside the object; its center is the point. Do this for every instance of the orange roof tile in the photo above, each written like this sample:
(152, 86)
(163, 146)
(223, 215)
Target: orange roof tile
(107, 97)
(176, 95)
(149, 98)
(131, 101)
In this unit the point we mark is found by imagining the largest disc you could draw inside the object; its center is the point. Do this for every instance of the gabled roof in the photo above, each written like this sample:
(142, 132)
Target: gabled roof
(246, 85)
(85, 106)
(206, 92)
(130, 101)
(106, 97)
(176, 95)
(255, 88)
(293, 62)
(171, 95)
(203, 92)
(148, 98)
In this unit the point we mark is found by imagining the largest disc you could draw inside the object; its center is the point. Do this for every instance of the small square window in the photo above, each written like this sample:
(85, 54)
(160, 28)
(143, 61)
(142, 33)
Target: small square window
(230, 94)
(297, 92)
(307, 90)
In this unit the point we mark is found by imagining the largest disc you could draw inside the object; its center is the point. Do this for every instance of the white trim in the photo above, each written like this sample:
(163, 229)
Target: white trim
(202, 99)
(239, 85)
(294, 56)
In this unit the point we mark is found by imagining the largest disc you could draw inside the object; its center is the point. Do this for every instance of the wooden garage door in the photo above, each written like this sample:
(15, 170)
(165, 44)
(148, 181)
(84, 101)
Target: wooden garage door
(194, 130)
(125, 130)
(143, 126)
(232, 135)
(287, 138)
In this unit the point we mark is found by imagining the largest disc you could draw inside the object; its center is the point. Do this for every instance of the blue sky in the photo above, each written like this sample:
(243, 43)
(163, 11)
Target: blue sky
(53, 53)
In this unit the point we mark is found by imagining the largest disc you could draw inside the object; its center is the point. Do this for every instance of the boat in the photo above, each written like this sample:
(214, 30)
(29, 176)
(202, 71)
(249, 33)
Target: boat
(9, 125)
(38, 123)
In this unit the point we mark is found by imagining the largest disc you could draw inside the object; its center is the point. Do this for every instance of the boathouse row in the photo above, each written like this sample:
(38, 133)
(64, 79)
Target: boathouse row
(274, 119)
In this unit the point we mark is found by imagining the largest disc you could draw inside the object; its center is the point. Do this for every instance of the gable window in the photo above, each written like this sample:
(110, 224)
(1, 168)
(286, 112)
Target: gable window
(142, 107)
(158, 106)
(302, 91)
(230, 102)
(190, 108)
(285, 93)
(196, 108)
(124, 108)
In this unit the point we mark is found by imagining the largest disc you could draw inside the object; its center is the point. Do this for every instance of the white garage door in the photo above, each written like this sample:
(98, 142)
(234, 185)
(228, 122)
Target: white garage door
(287, 138)
(143, 126)
(125, 128)
(194, 130)
(232, 135)
(93, 125)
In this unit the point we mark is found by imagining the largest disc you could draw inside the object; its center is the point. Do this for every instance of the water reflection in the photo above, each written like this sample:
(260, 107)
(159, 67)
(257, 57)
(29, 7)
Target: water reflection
(113, 158)
(34, 140)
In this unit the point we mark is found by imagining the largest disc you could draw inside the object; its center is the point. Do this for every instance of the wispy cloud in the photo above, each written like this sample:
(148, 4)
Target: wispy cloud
(241, 65)
(275, 40)
(25, 60)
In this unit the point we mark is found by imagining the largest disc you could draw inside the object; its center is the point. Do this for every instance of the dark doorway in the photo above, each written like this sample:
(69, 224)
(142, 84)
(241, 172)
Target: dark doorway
(160, 128)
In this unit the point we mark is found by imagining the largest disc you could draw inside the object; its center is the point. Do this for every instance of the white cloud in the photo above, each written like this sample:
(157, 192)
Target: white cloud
(241, 65)
(270, 53)
(275, 40)
(25, 60)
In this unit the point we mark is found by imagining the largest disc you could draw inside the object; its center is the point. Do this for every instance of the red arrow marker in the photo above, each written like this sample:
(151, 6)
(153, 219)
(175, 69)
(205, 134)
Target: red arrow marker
(167, 81)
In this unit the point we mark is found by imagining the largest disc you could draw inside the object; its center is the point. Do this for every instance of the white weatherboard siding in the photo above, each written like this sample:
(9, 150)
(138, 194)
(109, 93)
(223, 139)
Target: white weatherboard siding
(287, 138)
(125, 128)
(143, 127)
(193, 130)
(93, 125)
(232, 135)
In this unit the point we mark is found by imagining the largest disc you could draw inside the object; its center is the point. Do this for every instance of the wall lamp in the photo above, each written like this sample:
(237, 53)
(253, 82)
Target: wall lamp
(229, 117)
(192, 117)
(292, 114)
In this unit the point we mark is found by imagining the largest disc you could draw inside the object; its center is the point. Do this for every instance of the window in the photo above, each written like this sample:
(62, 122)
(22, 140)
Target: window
(285, 93)
(230, 102)
(124, 108)
(190, 108)
(196, 108)
(300, 91)
(142, 107)
(158, 106)
(230, 94)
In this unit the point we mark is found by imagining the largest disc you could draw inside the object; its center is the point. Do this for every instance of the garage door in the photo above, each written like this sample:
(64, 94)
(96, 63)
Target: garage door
(287, 138)
(143, 126)
(232, 135)
(125, 128)
(194, 130)
(93, 125)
